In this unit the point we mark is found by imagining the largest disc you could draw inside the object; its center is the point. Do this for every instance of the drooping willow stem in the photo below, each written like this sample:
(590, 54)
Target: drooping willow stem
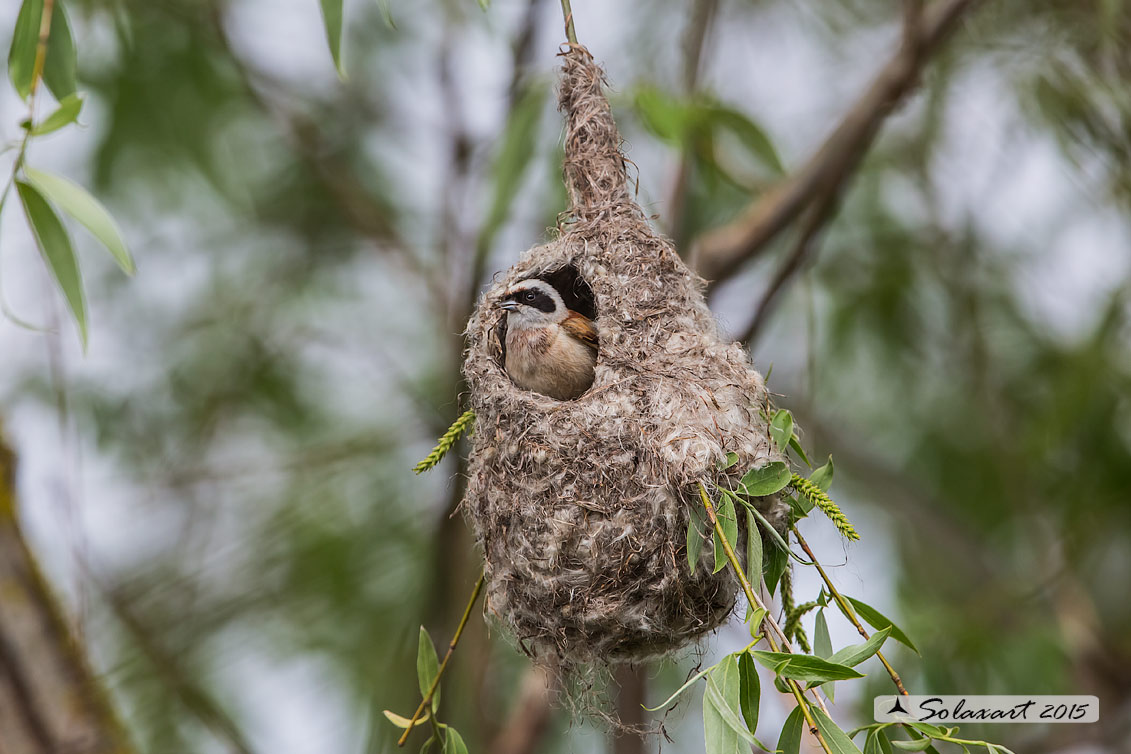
(750, 595)
(443, 665)
(847, 610)
(567, 14)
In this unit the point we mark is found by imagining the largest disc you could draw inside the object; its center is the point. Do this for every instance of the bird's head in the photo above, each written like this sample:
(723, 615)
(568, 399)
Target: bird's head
(533, 303)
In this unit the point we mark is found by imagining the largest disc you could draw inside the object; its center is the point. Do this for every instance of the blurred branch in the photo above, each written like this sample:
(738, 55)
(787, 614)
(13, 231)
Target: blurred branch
(632, 686)
(50, 700)
(698, 27)
(168, 668)
(529, 718)
(719, 253)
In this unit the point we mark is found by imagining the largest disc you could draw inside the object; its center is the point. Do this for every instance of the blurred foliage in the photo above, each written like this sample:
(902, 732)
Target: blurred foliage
(309, 248)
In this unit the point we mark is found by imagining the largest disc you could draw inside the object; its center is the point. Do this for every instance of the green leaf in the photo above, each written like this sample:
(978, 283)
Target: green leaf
(878, 621)
(25, 38)
(59, 67)
(755, 617)
(916, 744)
(753, 551)
(484, 4)
(750, 690)
(822, 642)
(56, 248)
(725, 463)
(781, 429)
(837, 739)
(750, 134)
(64, 115)
(823, 477)
(796, 445)
(427, 667)
(766, 480)
(453, 742)
(776, 559)
(332, 20)
(857, 653)
(76, 202)
(723, 727)
(402, 722)
(695, 537)
(789, 742)
(664, 116)
(805, 667)
(728, 522)
(387, 13)
(680, 690)
(877, 742)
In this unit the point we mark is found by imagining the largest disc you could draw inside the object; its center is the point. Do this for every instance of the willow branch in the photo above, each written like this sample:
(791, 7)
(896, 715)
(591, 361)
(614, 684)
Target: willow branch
(567, 14)
(794, 688)
(719, 253)
(443, 665)
(847, 610)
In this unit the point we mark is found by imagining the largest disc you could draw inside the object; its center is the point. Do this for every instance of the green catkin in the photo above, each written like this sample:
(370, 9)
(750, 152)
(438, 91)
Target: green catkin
(792, 626)
(820, 498)
(463, 424)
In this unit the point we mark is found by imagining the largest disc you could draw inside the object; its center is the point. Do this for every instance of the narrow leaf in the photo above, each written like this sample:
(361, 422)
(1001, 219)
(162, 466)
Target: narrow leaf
(723, 694)
(751, 135)
(789, 742)
(805, 667)
(753, 552)
(64, 115)
(453, 742)
(59, 67)
(877, 742)
(694, 539)
(730, 460)
(822, 642)
(750, 690)
(332, 20)
(56, 248)
(484, 4)
(427, 666)
(766, 480)
(823, 477)
(878, 621)
(837, 739)
(754, 618)
(796, 445)
(857, 653)
(915, 744)
(402, 722)
(690, 682)
(728, 522)
(25, 38)
(79, 204)
(775, 561)
(387, 13)
(781, 429)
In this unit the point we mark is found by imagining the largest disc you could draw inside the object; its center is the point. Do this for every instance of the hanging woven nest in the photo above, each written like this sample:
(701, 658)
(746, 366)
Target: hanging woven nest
(582, 506)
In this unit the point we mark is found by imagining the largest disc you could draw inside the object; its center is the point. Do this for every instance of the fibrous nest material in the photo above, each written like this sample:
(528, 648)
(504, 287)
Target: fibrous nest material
(582, 506)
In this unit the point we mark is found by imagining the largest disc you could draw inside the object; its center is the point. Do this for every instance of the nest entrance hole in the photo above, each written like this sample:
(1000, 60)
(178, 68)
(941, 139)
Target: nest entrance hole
(573, 289)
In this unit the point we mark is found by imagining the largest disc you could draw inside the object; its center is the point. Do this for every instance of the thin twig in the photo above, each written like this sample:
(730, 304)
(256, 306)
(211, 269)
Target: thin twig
(848, 610)
(567, 14)
(805, 247)
(755, 601)
(443, 665)
(719, 253)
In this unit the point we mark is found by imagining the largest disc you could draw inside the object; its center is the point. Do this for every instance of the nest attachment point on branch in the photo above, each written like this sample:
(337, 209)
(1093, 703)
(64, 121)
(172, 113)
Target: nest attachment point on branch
(582, 506)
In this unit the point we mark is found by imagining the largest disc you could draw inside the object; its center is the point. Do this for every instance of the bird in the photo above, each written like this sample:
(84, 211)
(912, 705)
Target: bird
(550, 348)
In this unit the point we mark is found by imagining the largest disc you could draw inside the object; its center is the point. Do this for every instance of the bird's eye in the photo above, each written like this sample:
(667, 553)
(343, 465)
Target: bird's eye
(528, 296)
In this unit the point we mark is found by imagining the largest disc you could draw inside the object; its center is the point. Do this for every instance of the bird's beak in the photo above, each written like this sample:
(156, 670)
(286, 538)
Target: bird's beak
(507, 304)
